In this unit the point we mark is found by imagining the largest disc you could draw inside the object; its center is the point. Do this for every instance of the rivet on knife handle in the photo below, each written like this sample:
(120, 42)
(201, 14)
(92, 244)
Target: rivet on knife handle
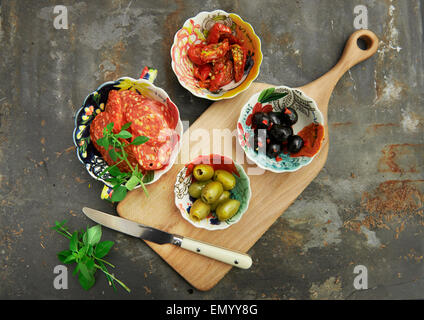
(233, 258)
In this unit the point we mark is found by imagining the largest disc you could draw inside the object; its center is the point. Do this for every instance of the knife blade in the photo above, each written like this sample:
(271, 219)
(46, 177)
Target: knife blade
(234, 258)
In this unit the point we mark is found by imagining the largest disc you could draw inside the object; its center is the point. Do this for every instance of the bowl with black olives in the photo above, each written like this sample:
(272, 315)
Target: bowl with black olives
(280, 129)
(212, 192)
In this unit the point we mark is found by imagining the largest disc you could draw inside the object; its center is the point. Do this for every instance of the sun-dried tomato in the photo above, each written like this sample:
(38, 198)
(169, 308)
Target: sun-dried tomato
(213, 52)
(194, 53)
(203, 72)
(222, 77)
(239, 57)
(217, 31)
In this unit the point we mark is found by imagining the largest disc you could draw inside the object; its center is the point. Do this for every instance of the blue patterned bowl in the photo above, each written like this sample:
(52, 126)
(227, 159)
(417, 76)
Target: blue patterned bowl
(95, 103)
(307, 111)
(183, 201)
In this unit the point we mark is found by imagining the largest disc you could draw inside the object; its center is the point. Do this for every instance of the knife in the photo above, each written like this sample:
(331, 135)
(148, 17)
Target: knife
(234, 258)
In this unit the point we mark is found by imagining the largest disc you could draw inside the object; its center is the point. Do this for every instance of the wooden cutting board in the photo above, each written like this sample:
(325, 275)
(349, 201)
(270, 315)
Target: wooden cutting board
(272, 193)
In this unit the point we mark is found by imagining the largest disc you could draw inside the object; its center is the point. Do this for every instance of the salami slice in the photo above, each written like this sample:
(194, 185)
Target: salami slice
(148, 118)
(114, 108)
(153, 157)
(96, 128)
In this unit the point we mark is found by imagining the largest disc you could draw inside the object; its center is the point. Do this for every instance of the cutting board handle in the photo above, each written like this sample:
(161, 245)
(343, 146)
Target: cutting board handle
(352, 55)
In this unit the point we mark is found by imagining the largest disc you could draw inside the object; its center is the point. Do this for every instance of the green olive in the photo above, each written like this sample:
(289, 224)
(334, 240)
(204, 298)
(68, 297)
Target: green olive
(199, 210)
(211, 192)
(227, 209)
(223, 197)
(203, 172)
(195, 189)
(226, 178)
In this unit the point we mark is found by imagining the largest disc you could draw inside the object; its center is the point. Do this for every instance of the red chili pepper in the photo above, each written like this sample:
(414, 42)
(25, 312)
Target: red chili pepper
(214, 52)
(194, 53)
(287, 111)
(239, 57)
(217, 31)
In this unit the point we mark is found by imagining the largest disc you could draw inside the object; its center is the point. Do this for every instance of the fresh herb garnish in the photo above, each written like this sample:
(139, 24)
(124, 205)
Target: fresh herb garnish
(122, 182)
(87, 251)
(269, 95)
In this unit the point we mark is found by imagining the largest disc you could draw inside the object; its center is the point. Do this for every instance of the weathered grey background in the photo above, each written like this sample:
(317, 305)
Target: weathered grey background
(365, 207)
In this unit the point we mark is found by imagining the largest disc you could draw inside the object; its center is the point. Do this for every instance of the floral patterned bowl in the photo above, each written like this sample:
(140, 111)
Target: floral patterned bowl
(241, 192)
(193, 31)
(307, 111)
(95, 103)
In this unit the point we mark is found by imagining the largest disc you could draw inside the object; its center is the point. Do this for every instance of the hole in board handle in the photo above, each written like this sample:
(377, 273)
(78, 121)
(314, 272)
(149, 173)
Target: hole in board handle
(364, 42)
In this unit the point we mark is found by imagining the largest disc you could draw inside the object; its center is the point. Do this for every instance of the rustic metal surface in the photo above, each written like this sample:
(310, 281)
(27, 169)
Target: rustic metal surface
(365, 207)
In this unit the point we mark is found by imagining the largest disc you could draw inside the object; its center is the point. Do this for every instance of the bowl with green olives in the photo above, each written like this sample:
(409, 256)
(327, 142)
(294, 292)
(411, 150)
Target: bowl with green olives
(280, 129)
(212, 192)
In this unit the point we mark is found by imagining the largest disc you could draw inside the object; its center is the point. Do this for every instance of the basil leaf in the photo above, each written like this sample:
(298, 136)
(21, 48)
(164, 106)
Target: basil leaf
(274, 96)
(124, 134)
(113, 154)
(103, 248)
(109, 127)
(126, 126)
(85, 278)
(93, 235)
(103, 142)
(139, 140)
(132, 183)
(69, 259)
(73, 243)
(265, 93)
(119, 193)
(63, 255)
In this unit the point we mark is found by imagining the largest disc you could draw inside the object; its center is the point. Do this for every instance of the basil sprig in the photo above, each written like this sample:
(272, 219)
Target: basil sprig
(87, 252)
(115, 143)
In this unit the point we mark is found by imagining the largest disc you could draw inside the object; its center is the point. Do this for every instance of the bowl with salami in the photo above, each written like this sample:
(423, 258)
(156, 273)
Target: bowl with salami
(127, 133)
(280, 129)
(216, 55)
(212, 192)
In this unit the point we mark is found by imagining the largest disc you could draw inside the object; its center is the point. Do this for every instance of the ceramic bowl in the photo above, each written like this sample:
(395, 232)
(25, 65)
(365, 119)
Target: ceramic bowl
(193, 32)
(308, 113)
(95, 103)
(184, 201)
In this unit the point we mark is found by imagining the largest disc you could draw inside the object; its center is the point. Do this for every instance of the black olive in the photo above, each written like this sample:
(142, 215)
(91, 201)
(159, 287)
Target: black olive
(295, 143)
(261, 120)
(280, 133)
(273, 150)
(275, 117)
(289, 116)
(257, 118)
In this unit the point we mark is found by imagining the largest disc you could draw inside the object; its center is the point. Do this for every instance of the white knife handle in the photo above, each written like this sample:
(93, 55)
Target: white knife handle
(233, 258)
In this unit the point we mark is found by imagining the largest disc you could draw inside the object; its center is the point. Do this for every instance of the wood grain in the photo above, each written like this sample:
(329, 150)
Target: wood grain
(272, 193)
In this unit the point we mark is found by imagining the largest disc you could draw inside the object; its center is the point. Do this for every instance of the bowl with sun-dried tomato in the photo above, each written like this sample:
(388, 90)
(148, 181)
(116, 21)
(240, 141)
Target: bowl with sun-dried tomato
(216, 55)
